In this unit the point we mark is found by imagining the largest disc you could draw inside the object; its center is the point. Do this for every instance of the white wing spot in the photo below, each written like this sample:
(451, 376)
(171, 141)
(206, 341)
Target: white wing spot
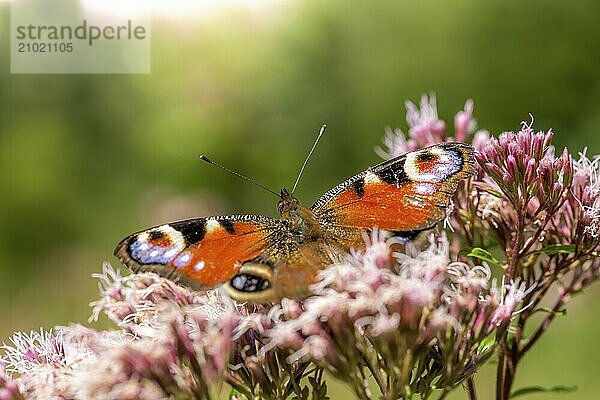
(182, 260)
(171, 252)
(370, 177)
(199, 266)
(154, 253)
(174, 235)
(212, 225)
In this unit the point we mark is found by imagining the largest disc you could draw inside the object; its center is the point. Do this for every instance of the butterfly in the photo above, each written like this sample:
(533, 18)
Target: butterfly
(261, 259)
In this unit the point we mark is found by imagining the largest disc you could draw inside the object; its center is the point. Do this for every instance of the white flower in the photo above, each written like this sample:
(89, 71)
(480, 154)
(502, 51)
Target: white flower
(30, 350)
(423, 116)
(590, 168)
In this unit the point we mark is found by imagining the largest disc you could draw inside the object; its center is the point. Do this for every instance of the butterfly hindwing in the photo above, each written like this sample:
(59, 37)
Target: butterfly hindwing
(261, 280)
(202, 252)
(409, 193)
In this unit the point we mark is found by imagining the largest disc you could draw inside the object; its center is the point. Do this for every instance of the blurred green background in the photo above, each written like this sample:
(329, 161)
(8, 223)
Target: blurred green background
(88, 159)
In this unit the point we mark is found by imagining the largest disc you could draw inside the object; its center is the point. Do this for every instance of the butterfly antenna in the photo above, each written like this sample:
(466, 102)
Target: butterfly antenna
(321, 132)
(208, 160)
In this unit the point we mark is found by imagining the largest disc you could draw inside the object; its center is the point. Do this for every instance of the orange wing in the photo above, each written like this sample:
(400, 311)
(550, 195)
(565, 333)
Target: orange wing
(408, 193)
(200, 253)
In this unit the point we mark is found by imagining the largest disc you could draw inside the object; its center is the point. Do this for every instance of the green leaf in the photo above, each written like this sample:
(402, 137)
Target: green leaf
(556, 249)
(484, 255)
(488, 189)
(494, 192)
(232, 394)
(539, 389)
(486, 344)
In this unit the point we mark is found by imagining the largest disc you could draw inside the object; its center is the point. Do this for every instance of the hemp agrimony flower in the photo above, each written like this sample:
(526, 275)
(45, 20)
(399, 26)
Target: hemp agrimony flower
(396, 320)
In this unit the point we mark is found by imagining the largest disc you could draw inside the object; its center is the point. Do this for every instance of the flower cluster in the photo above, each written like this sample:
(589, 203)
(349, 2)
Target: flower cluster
(171, 343)
(405, 318)
(532, 214)
(185, 359)
(412, 320)
(381, 312)
(426, 129)
(130, 301)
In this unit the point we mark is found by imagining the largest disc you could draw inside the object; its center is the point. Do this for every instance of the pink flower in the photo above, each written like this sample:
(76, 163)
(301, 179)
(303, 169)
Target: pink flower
(586, 188)
(523, 166)
(9, 389)
(514, 294)
(31, 350)
(425, 126)
(464, 124)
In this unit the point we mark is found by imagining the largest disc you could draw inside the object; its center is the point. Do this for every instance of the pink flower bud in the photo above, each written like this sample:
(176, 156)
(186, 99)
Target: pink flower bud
(530, 170)
(462, 122)
(480, 140)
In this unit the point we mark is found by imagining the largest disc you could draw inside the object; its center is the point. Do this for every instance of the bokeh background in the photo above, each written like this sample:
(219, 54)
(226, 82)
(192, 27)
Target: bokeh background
(87, 159)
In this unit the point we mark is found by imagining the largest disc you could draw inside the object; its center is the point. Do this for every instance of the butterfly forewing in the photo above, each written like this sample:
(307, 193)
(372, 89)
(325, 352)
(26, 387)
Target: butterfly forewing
(201, 253)
(406, 194)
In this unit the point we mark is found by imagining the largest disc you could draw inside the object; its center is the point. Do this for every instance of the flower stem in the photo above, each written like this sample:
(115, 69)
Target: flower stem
(471, 388)
(500, 373)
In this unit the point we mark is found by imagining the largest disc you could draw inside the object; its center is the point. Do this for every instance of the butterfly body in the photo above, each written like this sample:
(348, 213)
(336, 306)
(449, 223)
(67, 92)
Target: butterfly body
(261, 259)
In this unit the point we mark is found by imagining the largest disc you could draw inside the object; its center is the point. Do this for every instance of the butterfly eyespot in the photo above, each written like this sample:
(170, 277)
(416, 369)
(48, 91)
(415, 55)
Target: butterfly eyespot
(426, 156)
(156, 246)
(253, 282)
(249, 283)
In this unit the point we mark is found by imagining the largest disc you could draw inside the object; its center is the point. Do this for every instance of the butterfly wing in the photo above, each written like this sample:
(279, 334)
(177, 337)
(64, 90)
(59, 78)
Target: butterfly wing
(200, 253)
(291, 276)
(406, 194)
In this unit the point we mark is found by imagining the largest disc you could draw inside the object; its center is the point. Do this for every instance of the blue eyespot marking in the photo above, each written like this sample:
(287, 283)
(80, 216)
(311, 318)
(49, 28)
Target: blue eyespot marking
(157, 246)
